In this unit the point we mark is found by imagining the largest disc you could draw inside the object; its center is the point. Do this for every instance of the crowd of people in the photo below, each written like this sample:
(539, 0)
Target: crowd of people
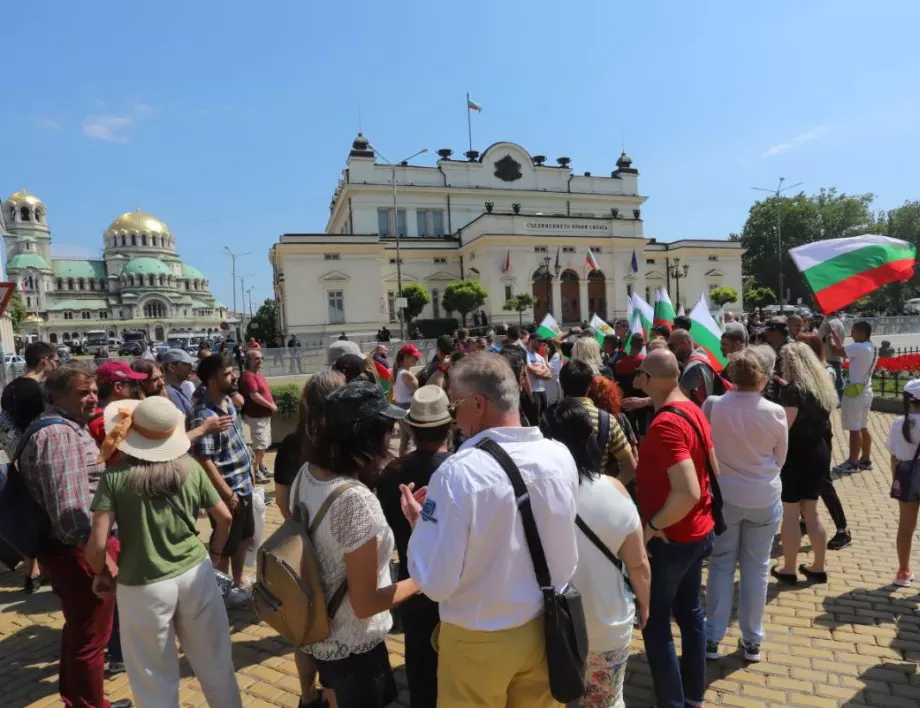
(641, 463)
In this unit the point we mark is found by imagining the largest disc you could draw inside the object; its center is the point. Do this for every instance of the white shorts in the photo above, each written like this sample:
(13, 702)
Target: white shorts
(854, 411)
(260, 430)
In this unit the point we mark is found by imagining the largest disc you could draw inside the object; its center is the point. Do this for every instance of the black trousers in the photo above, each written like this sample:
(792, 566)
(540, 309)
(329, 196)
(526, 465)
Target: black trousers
(419, 618)
(832, 502)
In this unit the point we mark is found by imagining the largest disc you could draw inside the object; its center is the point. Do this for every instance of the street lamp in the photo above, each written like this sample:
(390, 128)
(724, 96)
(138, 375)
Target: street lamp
(233, 257)
(547, 274)
(678, 272)
(777, 193)
(399, 293)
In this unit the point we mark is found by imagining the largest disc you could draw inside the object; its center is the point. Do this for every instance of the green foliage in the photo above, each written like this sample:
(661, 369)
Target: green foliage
(759, 298)
(723, 295)
(287, 398)
(464, 296)
(518, 303)
(434, 328)
(264, 324)
(17, 310)
(416, 298)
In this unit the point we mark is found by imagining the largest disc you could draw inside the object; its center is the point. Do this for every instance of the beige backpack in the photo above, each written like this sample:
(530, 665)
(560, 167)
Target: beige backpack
(288, 594)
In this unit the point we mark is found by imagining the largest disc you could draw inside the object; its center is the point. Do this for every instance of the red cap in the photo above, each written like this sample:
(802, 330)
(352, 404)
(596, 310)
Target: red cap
(115, 371)
(411, 350)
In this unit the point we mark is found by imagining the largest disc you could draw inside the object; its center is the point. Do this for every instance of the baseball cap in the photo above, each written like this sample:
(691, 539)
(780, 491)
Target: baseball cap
(340, 348)
(912, 388)
(411, 350)
(178, 356)
(359, 400)
(115, 371)
(736, 331)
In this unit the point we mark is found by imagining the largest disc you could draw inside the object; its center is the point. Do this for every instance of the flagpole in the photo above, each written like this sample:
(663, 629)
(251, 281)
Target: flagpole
(469, 121)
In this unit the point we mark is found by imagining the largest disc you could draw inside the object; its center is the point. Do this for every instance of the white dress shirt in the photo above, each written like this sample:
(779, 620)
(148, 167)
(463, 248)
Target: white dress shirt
(468, 550)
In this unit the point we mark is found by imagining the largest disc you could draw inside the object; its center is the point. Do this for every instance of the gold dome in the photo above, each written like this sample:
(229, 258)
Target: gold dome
(139, 222)
(23, 198)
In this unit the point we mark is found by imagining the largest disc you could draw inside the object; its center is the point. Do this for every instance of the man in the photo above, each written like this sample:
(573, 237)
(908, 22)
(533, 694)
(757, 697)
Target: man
(296, 361)
(490, 344)
(857, 394)
(343, 337)
(538, 374)
(225, 459)
(682, 322)
(178, 365)
(697, 379)
(435, 371)
(41, 359)
(794, 325)
(617, 459)
(258, 409)
(486, 588)
(429, 423)
(611, 351)
(60, 468)
(204, 350)
(829, 324)
(729, 317)
(734, 339)
(513, 337)
(155, 383)
(116, 381)
(621, 330)
(672, 485)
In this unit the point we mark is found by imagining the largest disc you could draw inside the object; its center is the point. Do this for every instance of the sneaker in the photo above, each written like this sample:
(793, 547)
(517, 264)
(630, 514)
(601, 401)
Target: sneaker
(841, 539)
(904, 578)
(237, 597)
(865, 464)
(262, 478)
(751, 651)
(712, 650)
(847, 468)
(264, 470)
(114, 668)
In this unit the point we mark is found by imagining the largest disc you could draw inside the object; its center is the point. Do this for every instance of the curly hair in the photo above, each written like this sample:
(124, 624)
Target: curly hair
(606, 395)
(800, 366)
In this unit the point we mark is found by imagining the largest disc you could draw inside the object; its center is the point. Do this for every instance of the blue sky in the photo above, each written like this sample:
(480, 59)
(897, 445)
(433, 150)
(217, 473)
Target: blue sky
(232, 120)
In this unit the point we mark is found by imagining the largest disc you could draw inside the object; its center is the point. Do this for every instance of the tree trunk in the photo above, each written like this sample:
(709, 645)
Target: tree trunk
(521, 318)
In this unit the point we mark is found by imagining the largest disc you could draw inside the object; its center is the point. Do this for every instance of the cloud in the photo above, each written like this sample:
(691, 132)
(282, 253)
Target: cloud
(108, 128)
(142, 109)
(799, 139)
(47, 124)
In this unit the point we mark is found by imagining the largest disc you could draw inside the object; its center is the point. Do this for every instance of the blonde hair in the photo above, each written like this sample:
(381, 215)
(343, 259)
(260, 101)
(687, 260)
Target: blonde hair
(746, 369)
(656, 343)
(156, 479)
(802, 367)
(588, 351)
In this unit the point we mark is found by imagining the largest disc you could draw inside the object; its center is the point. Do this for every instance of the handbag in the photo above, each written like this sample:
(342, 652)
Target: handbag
(854, 390)
(565, 630)
(906, 485)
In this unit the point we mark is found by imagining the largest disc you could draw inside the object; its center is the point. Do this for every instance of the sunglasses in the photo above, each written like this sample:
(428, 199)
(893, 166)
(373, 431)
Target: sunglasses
(452, 408)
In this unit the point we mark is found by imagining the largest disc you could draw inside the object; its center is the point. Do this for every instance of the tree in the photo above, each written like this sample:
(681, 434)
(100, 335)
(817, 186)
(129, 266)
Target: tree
(264, 324)
(519, 303)
(759, 298)
(416, 299)
(17, 310)
(464, 296)
(723, 295)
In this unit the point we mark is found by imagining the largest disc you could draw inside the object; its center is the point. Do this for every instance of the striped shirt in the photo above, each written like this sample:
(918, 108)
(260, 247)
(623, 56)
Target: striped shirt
(225, 448)
(617, 444)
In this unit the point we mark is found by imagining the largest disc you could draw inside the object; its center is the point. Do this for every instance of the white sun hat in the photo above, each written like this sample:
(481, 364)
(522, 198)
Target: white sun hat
(151, 430)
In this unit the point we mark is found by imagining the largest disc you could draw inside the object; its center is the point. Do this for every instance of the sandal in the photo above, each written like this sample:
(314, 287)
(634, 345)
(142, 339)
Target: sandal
(785, 578)
(814, 575)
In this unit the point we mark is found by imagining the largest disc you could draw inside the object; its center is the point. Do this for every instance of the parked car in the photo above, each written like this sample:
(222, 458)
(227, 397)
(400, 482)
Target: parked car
(131, 349)
(15, 364)
(64, 354)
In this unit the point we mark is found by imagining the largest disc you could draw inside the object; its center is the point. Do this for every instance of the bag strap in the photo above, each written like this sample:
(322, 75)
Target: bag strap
(327, 503)
(603, 429)
(522, 496)
(916, 456)
(602, 547)
(31, 430)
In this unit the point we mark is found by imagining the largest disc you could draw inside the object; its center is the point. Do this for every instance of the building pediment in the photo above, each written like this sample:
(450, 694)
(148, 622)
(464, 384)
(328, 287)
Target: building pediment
(334, 276)
(441, 275)
(654, 275)
(406, 278)
(715, 273)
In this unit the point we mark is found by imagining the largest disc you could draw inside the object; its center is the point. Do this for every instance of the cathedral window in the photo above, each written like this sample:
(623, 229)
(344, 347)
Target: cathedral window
(24, 213)
(82, 284)
(70, 285)
(60, 283)
(133, 239)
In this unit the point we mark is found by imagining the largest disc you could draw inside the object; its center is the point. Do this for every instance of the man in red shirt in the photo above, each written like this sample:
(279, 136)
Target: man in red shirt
(258, 408)
(673, 490)
(117, 382)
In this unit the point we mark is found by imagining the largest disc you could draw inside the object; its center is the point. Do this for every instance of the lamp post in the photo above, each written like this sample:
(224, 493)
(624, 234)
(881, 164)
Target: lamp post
(399, 295)
(546, 273)
(777, 193)
(243, 298)
(233, 257)
(678, 272)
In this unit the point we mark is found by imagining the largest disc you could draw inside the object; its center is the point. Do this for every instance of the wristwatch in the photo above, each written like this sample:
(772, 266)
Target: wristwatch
(652, 526)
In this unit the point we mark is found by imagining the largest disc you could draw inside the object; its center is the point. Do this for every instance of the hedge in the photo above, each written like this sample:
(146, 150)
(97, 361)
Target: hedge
(432, 329)
(287, 398)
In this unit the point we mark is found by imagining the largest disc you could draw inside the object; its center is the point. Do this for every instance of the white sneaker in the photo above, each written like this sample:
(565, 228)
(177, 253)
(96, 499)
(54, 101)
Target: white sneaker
(237, 597)
(262, 477)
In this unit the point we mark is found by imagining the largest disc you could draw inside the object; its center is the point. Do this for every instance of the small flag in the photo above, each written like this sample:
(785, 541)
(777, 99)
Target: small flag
(707, 334)
(646, 313)
(506, 266)
(591, 262)
(635, 327)
(557, 257)
(548, 328)
(601, 328)
(842, 270)
(664, 310)
(472, 105)
(634, 265)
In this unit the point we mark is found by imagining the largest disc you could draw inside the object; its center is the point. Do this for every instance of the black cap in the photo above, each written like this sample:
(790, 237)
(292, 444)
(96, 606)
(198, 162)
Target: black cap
(357, 401)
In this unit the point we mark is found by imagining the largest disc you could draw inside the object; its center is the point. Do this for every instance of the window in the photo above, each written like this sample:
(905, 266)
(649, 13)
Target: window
(336, 302)
(713, 286)
(539, 249)
(650, 261)
(508, 293)
(595, 249)
(68, 315)
(92, 284)
(143, 239)
(436, 303)
(568, 249)
(104, 315)
(648, 294)
(440, 260)
(70, 285)
(133, 239)
(393, 261)
(28, 302)
(123, 240)
(629, 290)
(60, 283)
(332, 256)
(713, 258)
(430, 222)
(391, 305)
(155, 309)
(86, 315)
(385, 225)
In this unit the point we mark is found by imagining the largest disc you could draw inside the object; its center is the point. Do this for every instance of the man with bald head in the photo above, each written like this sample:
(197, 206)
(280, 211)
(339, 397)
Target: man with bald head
(697, 377)
(675, 503)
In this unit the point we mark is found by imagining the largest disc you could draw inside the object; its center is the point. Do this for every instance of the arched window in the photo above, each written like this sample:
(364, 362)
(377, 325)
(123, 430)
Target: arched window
(130, 281)
(52, 338)
(66, 336)
(24, 213)
(151, 279)
(143, 239)
(154, 310)
(70, 284)
(123, 240)
(162, 280)
(82, 284)
(60, 283)
(153, 240)
(133, 239)
(39, 214)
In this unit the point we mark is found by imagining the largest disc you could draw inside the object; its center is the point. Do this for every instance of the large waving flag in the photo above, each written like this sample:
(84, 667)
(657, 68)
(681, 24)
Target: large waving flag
(842, 270)
(646, 313)
(635, 327)
(664, 310)
(707, 334)
(549, 328)
(601, 328)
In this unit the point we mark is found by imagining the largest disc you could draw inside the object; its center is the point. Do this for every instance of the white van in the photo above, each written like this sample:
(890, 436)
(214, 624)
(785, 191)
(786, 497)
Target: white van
(912, 306)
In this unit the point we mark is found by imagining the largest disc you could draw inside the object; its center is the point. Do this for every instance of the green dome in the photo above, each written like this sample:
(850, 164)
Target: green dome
(27, 260)
(146, 266)
(192, 272)
(67, 268)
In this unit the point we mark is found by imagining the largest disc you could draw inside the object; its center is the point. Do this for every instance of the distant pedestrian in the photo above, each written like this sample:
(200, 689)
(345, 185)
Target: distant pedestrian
(258, 409)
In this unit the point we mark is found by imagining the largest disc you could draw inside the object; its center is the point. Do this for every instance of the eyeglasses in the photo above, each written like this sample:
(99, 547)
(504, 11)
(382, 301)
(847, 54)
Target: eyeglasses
(452, 408)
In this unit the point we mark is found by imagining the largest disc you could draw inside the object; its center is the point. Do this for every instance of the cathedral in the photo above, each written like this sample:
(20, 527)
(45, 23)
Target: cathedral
(139, 284)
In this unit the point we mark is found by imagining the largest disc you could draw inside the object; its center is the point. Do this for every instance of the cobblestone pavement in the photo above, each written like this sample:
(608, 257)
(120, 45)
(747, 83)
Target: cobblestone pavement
(852, 642)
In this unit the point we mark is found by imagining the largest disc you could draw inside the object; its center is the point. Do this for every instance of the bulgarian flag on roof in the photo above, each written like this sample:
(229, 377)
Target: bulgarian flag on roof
(591, 262)
(842, 270)
(707, 334)
(644, 310)
(664, 310)
(549, 328)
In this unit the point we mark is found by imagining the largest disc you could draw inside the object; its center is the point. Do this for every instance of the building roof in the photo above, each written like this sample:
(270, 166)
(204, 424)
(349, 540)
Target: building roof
(23, 198)
(78, 305)
(219, 305)
(138, 221)
(27, 260)
(146, 266)
(68, 268)
(192, 272)
(199, 305)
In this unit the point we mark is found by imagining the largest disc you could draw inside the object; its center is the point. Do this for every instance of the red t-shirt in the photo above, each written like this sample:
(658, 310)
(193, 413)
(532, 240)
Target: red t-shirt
(251, 382)
(96, 425)
(626, 365)
(671, 440)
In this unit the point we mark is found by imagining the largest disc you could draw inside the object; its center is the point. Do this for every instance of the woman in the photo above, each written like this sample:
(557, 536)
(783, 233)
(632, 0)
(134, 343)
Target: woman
(903, 444)
(609, 514)
(354, 544)
(294, 451)
(607, 396)
(809, 398)
(166, 584)
(404, 385)
(588, 350)
(817, 346)
(554, 362)
(750, 437)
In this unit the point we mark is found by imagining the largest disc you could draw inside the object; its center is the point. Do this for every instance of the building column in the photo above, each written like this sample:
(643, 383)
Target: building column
(583, 299)
(557, 299)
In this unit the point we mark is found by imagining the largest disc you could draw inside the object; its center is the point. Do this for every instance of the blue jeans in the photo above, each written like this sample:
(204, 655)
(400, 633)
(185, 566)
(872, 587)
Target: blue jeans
(747, 540)
(677, 579)
(838, 377)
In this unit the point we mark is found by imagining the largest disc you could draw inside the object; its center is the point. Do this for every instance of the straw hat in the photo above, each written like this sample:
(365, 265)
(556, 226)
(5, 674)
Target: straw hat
(151, 430)
(430, 408)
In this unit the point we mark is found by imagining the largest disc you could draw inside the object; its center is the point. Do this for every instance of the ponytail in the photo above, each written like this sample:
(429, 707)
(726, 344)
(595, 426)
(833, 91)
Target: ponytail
(908, 423)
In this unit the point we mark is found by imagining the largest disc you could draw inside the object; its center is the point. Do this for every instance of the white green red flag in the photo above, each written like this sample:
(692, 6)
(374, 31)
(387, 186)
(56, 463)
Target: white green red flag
(591, 262)
(601, 328)
(472, 105)
(842, 270)
(664, 310)
(549, 328)
(646, 313)
(635, 327)
(707, 334)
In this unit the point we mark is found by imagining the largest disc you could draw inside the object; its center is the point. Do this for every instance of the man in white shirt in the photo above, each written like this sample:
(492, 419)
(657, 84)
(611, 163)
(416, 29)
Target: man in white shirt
(857, 394)
(468, 551)
(538, 374)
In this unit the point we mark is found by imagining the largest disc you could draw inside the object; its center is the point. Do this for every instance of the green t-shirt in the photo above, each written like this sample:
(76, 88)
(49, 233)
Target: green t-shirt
(157, 541)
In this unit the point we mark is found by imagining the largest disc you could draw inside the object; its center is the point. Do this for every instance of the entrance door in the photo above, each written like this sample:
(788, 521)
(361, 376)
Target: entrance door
(159, 334)
(543, 293)
(597, 294)
(571, 307)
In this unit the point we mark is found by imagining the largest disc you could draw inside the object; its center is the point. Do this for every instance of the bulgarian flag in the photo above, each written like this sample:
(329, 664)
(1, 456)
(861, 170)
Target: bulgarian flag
(591, 262)
(842, 270)
(707, 334)
(635, 327)
(472, 105)
(645, 312)
(549, 328)
(601, 328)
(664, 310)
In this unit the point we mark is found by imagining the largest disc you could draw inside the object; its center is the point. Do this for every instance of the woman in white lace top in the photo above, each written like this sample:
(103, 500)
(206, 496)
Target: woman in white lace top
(354, 543)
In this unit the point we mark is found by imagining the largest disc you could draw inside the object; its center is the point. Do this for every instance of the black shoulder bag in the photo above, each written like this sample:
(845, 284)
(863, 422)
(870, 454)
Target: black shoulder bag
(714, 489)
(566, 634)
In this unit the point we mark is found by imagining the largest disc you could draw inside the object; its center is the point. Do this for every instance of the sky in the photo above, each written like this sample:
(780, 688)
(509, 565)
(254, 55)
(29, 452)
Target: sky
(231, 121)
